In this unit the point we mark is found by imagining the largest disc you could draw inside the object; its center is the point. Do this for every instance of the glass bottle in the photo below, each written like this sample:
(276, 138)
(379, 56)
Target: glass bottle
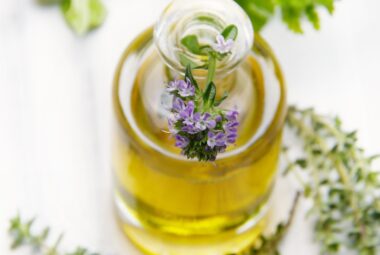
(168, 204)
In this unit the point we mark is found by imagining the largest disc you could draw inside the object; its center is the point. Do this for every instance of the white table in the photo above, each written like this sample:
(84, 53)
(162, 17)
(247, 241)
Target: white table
(55, 108)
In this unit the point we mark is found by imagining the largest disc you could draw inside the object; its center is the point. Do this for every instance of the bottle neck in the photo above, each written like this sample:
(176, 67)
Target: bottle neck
(205, 19)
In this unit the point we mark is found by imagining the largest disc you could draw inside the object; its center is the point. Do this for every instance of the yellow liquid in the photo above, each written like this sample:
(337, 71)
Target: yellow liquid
(171, 205)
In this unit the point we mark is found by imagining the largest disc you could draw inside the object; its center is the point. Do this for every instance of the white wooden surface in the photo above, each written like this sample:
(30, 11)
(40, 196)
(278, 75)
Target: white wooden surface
(55, 108)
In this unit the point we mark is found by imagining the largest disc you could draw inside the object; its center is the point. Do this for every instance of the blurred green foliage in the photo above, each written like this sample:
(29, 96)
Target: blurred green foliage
(292, 11)
(81, 15)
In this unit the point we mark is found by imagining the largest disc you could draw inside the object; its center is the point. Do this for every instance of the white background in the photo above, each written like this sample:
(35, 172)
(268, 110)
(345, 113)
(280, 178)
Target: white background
(55, 108)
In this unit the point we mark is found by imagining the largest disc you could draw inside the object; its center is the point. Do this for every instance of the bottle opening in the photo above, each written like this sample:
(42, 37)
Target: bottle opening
(205, 19)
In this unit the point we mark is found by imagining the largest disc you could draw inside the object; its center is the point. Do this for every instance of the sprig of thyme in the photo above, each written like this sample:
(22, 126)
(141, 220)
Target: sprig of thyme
(341, 182)
(22, 234)
(200, 127)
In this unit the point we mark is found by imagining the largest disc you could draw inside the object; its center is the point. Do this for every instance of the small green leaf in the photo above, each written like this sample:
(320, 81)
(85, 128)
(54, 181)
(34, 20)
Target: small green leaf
(83, 15)
(191, 43)
(302, 163)
(189, 75)
(209, 94)
(259, 11)
(206, 49)
(230, 32)
(313, 17)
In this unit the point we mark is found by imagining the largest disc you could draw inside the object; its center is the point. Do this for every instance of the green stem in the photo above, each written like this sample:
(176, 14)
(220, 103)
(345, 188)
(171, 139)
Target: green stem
(211, 69)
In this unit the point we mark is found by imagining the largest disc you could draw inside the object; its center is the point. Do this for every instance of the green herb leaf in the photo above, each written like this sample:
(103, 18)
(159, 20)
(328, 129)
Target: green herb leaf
(22, 234)
(83, 15)
(292, 12)
(209, 94)
(259, 11)
(191, 43)
(189, 75)
(230, 32)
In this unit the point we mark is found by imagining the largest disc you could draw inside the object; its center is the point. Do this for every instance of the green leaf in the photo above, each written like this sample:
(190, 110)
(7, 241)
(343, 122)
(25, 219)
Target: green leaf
(209, 94)
(191, 43)
(230, 32)
(313, 17)
(328, 4)
(259, 11)
(292, 11)
(189, 75)
(206, 49)
(292, 17)
(83, 15)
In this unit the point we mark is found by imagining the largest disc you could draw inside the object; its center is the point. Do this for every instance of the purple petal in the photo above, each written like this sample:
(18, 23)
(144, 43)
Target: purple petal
(211, 124)
(181, 141)
(178, 104)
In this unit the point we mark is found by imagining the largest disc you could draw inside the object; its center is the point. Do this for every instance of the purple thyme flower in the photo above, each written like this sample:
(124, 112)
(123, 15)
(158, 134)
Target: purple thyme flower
(189, 118)
(231, 126)
(181, 141)
(178, 105)
(171, 124)
(173, 85)
(231, 138)
(216, 139)
(185, 88)
(204, 121)
(187, 114)
(222, 46)
(232, 115)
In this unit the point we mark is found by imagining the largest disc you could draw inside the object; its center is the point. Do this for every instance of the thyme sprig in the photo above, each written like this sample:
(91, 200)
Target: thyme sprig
(341, 181)
(200, 127)
(22, 234)
(335, 175)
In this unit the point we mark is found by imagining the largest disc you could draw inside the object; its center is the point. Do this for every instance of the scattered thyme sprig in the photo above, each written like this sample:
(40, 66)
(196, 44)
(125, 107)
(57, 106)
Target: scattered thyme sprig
(341, 182)
(22, 234)
(200, 127)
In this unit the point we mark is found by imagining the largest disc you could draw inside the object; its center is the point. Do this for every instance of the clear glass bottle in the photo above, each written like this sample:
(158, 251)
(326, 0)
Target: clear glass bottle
(167, 203)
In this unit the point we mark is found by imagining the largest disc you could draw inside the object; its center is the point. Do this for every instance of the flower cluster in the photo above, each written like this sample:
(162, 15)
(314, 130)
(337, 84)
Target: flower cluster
(222, 45)
(202, 129)
(198, 132)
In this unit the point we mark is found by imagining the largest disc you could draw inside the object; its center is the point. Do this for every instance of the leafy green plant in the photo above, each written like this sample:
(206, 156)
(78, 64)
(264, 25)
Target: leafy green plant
(335, 175)
(81, 15)
(292, 11)
(22, 234)
(340, 180)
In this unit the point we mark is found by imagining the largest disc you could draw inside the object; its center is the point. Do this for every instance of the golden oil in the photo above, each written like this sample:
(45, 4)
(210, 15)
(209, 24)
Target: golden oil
(171, 205)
